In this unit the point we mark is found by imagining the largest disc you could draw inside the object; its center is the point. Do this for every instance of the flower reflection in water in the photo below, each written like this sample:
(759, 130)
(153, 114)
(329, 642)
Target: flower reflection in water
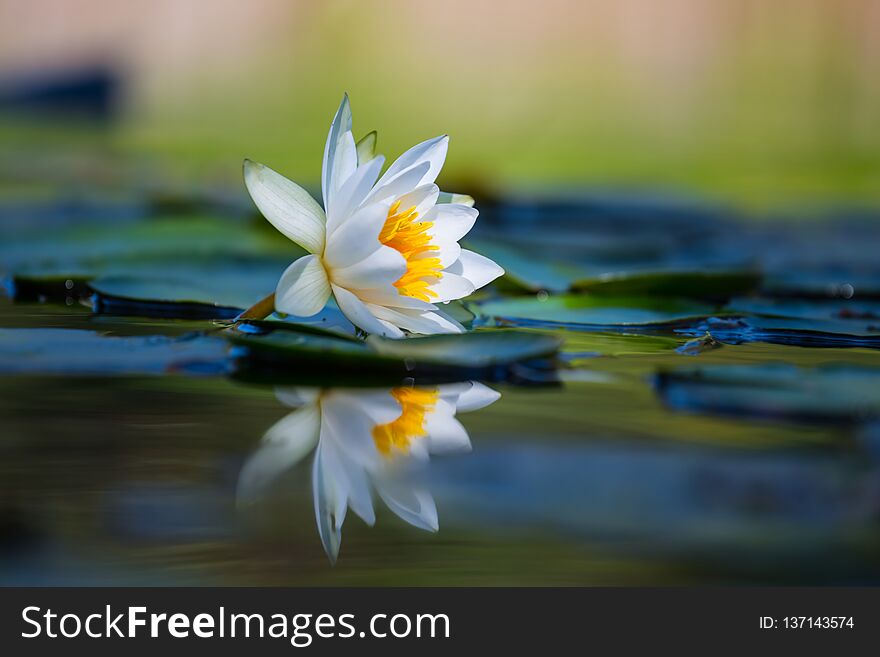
(364, 441)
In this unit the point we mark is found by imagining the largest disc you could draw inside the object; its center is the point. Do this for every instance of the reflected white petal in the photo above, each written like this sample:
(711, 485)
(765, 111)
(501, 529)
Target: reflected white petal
(296, 397)
(446, 434)
(411, 504)
(284, 445)
(476, 397)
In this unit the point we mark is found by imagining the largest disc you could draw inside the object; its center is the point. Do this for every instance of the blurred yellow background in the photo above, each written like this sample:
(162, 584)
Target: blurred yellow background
(755, 101)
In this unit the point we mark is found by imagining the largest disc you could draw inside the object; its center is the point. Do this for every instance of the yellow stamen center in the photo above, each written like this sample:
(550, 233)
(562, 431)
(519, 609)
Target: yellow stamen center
(411, 239)
(398, 435)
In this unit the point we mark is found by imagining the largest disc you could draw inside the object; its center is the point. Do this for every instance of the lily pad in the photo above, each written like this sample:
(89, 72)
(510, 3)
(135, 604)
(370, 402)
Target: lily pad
(80, 352)
(595, 312)
(286, 352)
(92, 250)
(486, 348)
(789, 331)
(830, 394)
(852, 310)
(705, 285)
(527, 273)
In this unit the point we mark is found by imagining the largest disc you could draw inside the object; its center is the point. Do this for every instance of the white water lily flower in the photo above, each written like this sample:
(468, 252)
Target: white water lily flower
(364, 441)
(386, 249)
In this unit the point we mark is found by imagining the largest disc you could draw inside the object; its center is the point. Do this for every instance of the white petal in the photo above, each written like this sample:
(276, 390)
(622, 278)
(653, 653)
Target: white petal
(451, 287)
(452, 221)
(414, 505)
(378, 406)
(446, 319)
(330, 502)
(400, 185)
(391, 296)
(286, 205)
(356, 239)
(352, 194)
(344, 166)
(421, 198)
(463, 199)
(340, 126)
(359, 315)
(477, 397)
(382, 268)
(427, 322)
(296, 397)
(478, 269)
(351, 416)
(349, 472)
(303, 289)
(448, 251)
(446, 434)
(284, 445)
(432, 151)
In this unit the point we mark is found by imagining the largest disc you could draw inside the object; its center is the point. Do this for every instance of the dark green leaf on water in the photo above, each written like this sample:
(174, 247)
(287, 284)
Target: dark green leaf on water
(705, 285)
(80, 352)
(483, 354)
(852, 310)
(848, 283)
(525, 273)
(595, 312)
(789, 331)
(830, 394)
(486, 348)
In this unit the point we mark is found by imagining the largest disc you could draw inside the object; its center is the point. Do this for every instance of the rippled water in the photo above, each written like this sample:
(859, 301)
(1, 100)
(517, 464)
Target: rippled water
(604, 478)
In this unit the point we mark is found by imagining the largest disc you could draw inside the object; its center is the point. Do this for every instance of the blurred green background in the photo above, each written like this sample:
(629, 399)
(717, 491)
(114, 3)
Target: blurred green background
(760, 103)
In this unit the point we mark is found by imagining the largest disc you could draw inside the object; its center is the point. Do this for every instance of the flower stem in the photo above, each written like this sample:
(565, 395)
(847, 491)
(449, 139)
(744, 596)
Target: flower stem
(260, 310)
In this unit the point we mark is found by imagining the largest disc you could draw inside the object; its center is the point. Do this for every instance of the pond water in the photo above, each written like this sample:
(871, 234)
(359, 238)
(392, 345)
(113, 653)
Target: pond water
(711, 415)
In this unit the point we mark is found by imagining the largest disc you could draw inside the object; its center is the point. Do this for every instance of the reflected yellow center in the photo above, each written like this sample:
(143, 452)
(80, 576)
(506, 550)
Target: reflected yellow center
(416, 404)
(411, 239)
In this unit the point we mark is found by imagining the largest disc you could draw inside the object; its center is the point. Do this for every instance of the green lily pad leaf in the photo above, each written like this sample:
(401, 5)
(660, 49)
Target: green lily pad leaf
(829, 394)
(92, 250)
(595, 312)
(791, 331)
(706, 285)
(80, 352)
(833, 284)
(854, 310)
(484, 348)
(294, 354)
(330, 322)
(366, 147)
(526, 273)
